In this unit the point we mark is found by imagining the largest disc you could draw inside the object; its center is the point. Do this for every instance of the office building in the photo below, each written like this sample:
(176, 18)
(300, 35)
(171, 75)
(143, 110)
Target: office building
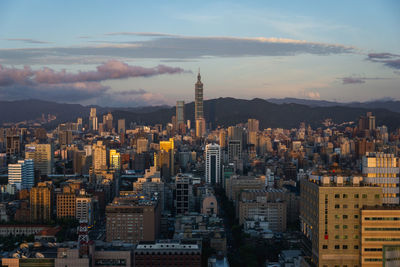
(383, 170)
(84, 207)
(121, 126)
(180, 113)
(115, 160)
(142, 145)
(168, 253)
(21, 174)
(65, 203)
(200, 127)
(234, 150)
(99, 153)
(253, 125)
(41, 202)
(330, 211)
(213, 164)
(42, 156)
(380, 230)
(183, 195)
(93, 124)
(133, 219)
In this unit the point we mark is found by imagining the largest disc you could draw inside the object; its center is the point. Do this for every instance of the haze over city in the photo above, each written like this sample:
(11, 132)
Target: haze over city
(148, 53)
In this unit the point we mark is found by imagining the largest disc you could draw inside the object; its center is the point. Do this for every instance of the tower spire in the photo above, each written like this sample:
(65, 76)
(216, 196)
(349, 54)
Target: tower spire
(198, 76)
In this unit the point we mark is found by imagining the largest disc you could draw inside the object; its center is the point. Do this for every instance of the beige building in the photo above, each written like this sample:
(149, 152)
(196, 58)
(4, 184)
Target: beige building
(236, 184)
(99, 156)
(272, 212)
(132, 219)
(42, 155)
(330, 212)
(380, 228)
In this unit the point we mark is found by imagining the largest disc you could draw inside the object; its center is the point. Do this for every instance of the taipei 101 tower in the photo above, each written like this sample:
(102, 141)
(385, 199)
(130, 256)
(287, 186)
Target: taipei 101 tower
(198, 107)
(198, 91)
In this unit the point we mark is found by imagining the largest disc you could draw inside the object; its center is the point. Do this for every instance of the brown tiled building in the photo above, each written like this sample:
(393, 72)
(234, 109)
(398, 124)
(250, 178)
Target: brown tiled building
(132, 219)
(41, 202)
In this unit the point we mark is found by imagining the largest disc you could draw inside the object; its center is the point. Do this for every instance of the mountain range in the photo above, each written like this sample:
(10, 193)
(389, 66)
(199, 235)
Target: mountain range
(285, 113)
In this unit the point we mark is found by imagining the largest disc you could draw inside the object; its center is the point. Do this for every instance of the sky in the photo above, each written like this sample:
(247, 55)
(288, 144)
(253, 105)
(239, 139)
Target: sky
(140, 53)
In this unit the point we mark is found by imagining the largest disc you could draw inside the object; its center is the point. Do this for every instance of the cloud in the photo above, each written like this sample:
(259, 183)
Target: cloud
(179, 47)
(147, 34)
(355, 80)
(27, 40)
(352, 80)
(49, 84)
(388, 59)
(112, 69)
(313, 95)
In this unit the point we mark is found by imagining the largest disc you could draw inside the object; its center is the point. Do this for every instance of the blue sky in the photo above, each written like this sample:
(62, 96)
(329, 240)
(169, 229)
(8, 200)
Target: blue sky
(334, 50)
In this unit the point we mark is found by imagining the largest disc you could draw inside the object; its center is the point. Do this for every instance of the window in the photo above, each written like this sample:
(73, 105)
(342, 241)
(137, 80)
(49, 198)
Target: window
(337, 206)
(364, 195)
(345, 237)
(344, 246)
(356, 206)
(337, 237)
(356, 216)
(337, 216)
(345, 216)
(337, 196)
(355, 236)
(324, 246)
(337, 247)
(356, 226)
(356, 247)
(337, 226)
(345, 206)
(344, 195)
(344, 226)
(377, 196)
(356, 196)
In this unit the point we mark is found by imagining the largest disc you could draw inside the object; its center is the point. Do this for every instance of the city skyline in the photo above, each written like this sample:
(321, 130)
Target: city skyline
(149, 55)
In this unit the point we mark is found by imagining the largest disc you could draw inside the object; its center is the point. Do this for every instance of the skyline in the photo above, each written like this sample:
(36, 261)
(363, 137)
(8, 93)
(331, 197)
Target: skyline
(149, 55)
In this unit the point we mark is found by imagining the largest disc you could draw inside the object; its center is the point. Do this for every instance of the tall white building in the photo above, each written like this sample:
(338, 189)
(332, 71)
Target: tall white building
(21, 174)
(383, 170)
(213, 164)
(84, 207)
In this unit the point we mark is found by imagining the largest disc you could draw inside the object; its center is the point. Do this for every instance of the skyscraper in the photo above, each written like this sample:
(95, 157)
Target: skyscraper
(21, 174)
(180, 112)
(115, 160)
(99, 156)
(41, 202)
(93, 120)
(213, 164)
(42, 155)
(198, 98)
(121, 126)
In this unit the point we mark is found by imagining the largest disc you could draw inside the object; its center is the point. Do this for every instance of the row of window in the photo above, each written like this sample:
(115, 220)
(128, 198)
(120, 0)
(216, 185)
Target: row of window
(346, 237)
(382, 218)
(355, 196)
(338, 247)
(345, 226)
(382, 229)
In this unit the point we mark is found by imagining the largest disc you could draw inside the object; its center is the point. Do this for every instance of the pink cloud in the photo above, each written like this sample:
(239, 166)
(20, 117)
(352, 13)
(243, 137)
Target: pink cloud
(112, 69)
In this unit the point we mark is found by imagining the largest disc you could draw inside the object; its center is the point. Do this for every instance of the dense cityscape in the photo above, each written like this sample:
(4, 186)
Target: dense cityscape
(99, 192)
(213, 133)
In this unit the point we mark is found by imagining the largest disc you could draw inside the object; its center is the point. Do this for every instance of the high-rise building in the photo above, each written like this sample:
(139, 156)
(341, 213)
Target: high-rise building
(253, 125)
(93, 124)
(115, 160)
(200, 127)
(21, 174)
(165, 158)
(234, 150)
(84, 207)
(65, 203)
(121, 126)
(99, 156)
(180, 112)
(132, 219)
(383, 170)
(198, 102)
(213, 164)
(65, 138)
(42, 155)
(183, 194)
(142, 145)
(380, 230)
(41, 202)
(108, 122)
(330, 212)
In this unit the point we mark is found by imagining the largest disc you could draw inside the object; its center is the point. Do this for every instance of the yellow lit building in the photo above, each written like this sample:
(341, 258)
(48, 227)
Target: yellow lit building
(42, 155)
(41, 202)
(383, 170)
(115, 160)
(99, 156)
